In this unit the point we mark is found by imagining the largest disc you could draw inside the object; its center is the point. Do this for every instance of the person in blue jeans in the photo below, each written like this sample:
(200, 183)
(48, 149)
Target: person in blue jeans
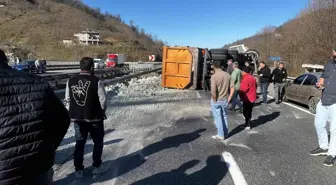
(222, 89)
(265, 78)
(325, 111)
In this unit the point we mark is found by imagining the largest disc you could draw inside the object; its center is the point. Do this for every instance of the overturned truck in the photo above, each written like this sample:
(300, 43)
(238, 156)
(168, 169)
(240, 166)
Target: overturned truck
(190, 67)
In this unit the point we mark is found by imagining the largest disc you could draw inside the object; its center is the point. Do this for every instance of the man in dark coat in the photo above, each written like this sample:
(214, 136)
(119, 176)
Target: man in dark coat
(33, 122)
(279, 74)
(86, 97)
(265, 78)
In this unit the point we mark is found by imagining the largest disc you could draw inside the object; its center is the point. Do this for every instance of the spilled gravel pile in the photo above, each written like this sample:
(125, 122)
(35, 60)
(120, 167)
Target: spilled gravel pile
(139, 87)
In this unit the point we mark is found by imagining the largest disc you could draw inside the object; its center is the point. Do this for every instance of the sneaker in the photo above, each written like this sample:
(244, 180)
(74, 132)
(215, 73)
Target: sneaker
(218, 137)
(248, 127)
(99, 170)
(79, 174)
(329, 161)
(318, 152)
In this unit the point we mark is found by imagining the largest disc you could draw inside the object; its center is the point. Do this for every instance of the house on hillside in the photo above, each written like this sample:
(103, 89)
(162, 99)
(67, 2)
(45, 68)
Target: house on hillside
(89, 38)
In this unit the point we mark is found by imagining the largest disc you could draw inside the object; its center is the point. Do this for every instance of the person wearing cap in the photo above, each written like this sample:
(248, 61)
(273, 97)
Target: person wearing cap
(85, 96)
(326, 111)
(278, 76)
(236, 77)
(248, 94)
(33, 122)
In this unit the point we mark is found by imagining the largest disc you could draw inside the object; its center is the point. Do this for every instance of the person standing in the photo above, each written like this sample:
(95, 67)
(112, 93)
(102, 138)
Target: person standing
(222, 89)
(247, 63)
(265, 77)
(325, 111)
(278, 76)
(248, 94)
(230, 66)
(33, 122)
(86, 98)
(236, 77)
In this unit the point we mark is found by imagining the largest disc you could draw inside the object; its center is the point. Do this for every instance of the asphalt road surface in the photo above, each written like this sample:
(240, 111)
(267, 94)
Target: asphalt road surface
(167, 141)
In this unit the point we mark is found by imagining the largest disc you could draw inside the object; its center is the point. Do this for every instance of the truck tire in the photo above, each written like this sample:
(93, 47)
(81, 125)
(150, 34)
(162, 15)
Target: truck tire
(234, 57)
(233, 52)
(219, 57)
(219, 51)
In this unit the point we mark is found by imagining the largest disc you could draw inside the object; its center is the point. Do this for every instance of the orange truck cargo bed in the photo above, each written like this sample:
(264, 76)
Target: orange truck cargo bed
(176, 67)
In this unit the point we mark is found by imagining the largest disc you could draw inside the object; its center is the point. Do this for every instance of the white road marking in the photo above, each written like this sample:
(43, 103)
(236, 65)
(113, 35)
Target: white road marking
(236, 174)
(204, 118)
(294, 106)
(240, 145)
(198, 94)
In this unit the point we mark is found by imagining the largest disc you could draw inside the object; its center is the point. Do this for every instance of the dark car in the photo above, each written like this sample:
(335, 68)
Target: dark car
(26, 66)
(303, 90)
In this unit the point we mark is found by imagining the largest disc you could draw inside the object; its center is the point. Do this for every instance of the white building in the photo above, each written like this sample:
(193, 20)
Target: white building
(88, 38)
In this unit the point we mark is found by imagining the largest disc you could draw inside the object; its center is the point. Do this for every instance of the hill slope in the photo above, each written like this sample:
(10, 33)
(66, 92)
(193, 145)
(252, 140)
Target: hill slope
(308, 38)
(37, 28)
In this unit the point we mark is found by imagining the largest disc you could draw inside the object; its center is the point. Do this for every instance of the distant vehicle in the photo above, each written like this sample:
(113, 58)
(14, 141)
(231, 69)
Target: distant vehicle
(303, 90)
(114, 60)
(99, 64)
(26, 66)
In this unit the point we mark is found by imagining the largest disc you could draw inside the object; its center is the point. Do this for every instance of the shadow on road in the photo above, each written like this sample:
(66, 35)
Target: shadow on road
(255, 123)
(212, 174)
(131, 161)
(71, 139)
(65, 155)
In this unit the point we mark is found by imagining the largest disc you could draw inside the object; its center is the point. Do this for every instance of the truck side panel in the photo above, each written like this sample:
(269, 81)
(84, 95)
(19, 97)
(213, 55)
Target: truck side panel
(176, 67)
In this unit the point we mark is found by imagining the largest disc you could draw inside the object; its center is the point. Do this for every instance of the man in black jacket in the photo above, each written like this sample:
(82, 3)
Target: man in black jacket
(265, 77)
(87, 98)
(33, 122)
(278, 76)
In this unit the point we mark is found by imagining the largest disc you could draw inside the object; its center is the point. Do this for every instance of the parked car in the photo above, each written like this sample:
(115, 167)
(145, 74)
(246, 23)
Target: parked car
(99, 64)
(303, 90)
(26, 66)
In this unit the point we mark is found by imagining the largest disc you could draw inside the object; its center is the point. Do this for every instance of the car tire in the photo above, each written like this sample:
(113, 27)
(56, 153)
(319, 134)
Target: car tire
(313, 101)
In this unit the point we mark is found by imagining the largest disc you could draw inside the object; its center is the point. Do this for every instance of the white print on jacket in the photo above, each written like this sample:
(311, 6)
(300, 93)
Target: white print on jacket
(79, 92)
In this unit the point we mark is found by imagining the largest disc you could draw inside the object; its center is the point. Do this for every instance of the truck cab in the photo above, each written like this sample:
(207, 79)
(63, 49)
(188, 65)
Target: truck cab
(115, 60)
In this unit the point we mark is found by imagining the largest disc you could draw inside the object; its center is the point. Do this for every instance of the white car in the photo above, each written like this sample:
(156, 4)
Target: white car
(99, 64)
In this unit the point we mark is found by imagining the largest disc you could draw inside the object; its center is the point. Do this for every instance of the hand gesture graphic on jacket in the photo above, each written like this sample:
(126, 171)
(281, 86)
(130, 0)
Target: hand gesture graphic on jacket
(79, 92)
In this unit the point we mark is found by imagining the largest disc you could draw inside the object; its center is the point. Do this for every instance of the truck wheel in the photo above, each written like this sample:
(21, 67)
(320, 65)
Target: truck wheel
(219, 51)
(234, 57)
(219, 57)
(312, 104)
(233, 52)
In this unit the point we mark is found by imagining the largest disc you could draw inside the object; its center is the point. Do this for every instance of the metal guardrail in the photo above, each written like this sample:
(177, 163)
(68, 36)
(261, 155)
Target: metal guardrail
(117, 79)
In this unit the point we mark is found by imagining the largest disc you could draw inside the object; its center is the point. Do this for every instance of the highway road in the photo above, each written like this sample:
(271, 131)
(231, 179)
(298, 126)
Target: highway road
(163, 137)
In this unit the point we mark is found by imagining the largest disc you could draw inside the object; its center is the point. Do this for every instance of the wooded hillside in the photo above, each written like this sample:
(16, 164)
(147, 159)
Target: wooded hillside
(308, 38)
(36, 28)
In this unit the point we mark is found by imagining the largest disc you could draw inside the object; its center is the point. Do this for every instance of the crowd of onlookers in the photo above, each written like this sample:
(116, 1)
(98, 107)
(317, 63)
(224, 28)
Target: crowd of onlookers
(238, 87)
(234, 83)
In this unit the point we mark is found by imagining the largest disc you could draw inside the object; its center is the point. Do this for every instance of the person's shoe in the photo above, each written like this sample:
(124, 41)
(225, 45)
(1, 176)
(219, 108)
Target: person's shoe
(248, 127)
(277, 103)
(329, 161)
(318, 152)
(99, 170)
(79, 174)
(218, 137)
